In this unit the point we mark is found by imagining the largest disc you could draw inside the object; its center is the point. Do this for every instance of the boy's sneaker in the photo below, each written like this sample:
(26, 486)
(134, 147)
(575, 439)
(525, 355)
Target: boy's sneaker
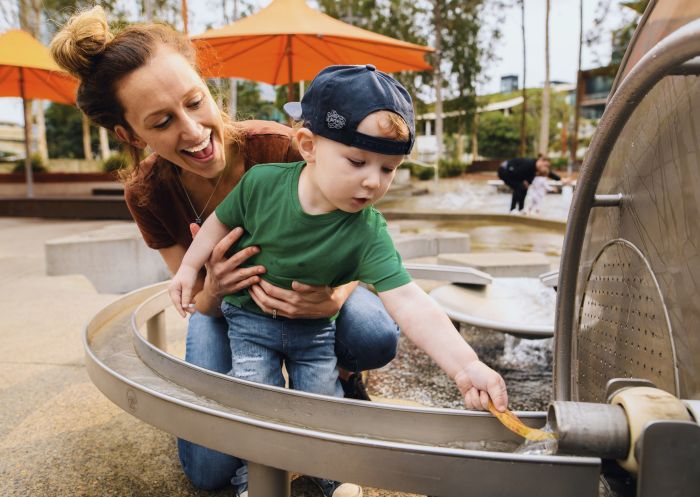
(354, 387)
(332, 488)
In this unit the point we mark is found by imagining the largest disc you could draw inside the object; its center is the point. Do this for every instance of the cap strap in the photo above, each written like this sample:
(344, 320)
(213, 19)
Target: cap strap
(381, 145)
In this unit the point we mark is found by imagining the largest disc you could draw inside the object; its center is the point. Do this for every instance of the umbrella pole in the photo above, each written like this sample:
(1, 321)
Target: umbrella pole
(290, 82)
(27, 138)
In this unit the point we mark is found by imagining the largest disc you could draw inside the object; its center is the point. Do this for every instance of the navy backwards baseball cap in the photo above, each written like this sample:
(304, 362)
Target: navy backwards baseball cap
(340, 97)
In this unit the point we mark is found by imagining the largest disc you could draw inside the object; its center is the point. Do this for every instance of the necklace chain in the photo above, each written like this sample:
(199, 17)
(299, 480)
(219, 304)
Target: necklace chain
(198, 217)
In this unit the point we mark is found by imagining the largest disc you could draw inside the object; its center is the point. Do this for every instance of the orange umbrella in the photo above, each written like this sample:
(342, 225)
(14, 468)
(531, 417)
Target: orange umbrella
(28, 71)
(288, 41)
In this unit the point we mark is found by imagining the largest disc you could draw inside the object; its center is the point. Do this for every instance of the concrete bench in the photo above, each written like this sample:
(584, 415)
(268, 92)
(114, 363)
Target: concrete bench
(115, 259)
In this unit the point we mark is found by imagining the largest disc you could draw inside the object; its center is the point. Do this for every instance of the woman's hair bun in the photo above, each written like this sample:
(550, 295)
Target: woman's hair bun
(83, 37)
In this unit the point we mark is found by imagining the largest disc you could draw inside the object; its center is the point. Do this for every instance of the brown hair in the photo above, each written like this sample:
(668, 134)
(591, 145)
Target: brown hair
(87, 49)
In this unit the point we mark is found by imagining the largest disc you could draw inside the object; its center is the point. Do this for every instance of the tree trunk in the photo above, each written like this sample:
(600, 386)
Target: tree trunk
(475, 141)
(523, 118)
(41, 146)
(105, 152)
(544, 122)
(87, 149)
(233, 98)
(579, 91)
(148, 9)
(437, 76)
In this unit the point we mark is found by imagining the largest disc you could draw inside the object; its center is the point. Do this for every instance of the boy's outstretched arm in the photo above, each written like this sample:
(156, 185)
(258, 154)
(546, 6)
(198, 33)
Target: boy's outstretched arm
(181, 287)
(426, 325)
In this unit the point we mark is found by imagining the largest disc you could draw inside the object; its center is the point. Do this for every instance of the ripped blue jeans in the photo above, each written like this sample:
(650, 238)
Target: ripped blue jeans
(260, 344)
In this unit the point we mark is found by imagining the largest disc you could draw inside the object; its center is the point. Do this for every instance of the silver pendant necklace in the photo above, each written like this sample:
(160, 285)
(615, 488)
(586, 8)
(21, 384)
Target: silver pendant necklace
(198, 216)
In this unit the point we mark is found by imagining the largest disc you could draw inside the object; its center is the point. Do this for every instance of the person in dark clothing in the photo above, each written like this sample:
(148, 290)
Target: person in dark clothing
(518, 174)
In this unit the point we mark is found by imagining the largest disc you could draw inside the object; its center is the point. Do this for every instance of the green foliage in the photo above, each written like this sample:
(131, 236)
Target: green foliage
(451, 168)
(38, 165)
(115, 162)
(7, 156)
(499, 135)
(64, 132)
(559, 163)
(419, 171)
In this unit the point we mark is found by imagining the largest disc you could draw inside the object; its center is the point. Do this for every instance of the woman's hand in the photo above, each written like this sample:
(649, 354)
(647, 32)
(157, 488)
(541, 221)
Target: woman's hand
(302, 302)
(477, 382)
(224, 276)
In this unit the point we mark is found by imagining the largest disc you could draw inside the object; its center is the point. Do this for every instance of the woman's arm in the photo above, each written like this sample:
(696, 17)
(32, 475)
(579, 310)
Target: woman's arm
(426, 325)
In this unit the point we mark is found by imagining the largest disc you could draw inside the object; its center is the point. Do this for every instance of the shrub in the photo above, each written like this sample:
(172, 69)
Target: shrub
(559, 163)
(7, 156)
(451, 168)
(115, 162)
(37, 165)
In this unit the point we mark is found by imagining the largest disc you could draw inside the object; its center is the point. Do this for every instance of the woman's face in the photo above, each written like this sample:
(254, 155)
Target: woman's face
(170, 109)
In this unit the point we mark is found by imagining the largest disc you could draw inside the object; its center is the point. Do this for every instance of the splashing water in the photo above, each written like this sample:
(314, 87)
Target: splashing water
(546, 447)
(519, 353)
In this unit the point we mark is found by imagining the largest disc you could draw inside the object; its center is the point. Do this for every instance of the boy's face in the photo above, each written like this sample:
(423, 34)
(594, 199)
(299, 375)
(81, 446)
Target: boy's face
(350, 178)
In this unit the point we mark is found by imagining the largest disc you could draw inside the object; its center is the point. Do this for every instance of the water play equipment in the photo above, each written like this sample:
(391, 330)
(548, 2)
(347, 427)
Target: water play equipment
(627, 319)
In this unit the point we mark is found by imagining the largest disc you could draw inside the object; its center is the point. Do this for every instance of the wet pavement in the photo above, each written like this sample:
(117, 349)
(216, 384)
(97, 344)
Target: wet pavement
(469, 194)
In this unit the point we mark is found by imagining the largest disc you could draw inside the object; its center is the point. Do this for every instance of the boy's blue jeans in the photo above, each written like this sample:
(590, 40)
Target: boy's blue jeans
(260, 343)
(366, 338)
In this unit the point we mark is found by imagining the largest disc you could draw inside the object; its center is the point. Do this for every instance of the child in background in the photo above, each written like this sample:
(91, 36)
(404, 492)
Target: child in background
(358, 125)
(537, 191)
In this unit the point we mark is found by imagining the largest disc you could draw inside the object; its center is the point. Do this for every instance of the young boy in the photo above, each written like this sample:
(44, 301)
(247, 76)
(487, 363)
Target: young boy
(358, 124)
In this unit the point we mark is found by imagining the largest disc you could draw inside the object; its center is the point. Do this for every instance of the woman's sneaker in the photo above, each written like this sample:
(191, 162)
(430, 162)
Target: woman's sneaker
(332, 488)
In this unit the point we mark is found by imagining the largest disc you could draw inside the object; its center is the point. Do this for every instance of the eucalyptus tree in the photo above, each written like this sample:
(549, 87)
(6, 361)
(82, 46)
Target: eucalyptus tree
(543, 146)
(523, 145)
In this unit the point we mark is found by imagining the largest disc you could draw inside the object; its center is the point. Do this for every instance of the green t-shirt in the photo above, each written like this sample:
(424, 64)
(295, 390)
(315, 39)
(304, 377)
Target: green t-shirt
(326, 249)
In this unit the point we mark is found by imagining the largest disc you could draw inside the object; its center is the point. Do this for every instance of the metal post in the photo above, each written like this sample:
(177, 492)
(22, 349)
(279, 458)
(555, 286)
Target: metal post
(155, 331)
(264, 481)
(27, 137)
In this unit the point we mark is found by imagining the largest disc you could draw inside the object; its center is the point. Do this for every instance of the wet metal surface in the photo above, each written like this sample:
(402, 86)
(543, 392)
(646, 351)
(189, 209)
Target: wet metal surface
(624, 330)
(655, 165)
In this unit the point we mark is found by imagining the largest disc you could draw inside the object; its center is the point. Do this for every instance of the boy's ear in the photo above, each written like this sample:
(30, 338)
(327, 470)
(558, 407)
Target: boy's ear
(128, 137)
(306, 144)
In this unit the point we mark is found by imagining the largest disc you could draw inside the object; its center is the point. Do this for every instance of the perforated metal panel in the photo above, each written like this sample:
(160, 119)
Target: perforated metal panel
(623, 331)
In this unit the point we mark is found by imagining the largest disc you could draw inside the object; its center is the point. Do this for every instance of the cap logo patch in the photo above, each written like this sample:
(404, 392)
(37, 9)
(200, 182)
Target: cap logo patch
(335, 120)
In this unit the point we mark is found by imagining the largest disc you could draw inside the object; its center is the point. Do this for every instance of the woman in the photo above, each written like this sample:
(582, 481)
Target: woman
(519, 173)
(143, 85)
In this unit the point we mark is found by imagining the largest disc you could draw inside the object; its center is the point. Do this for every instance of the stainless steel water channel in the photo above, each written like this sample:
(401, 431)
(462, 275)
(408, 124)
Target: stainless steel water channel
(394, 447)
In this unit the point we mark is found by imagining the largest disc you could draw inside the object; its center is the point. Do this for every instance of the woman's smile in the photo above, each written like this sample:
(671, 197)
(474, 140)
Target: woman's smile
(203, 151)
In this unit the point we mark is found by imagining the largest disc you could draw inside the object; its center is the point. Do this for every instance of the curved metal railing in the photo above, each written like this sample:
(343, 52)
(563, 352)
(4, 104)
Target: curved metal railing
(418, 450)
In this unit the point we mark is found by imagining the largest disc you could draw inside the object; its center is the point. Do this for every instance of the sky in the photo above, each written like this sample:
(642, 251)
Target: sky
(564, 33)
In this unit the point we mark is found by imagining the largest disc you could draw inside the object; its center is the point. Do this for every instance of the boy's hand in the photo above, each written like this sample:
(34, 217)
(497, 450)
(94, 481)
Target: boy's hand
(180, 289)
(478, 382)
